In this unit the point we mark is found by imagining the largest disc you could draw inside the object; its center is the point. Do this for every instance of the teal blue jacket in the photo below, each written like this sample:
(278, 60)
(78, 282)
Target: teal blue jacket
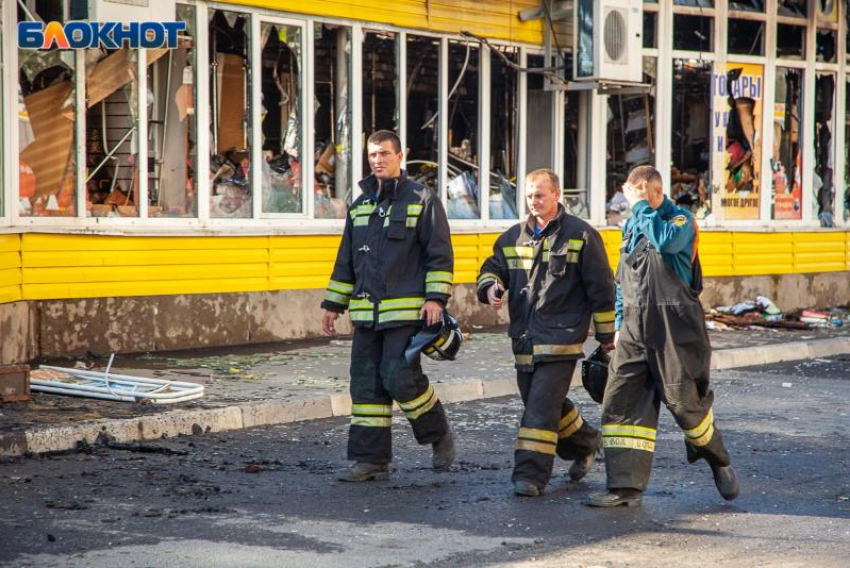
(671, 229)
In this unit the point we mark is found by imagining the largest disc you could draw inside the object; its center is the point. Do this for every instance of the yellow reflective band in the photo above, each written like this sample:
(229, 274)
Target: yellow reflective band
(372, 409)
(337, 298)
(489, 277)
(400, 303)
(399, 315)
(568, 418)
(702, 434)
(617, 442)
(361, 315)
(523, 263)
(539, 447)
(372, 421)
(523, 359)
(572, 428)
(361, 222)
(570, 349)
(439, 276)
(628, 430)
(414, 209)
(420, 405)
(341, 287)
(572, 257)
(547, 246)
(438, 288)
(518, 252)
(605, 327)
(410, 222)
(539, 435)
(601, 317)
(546, 256)
(575, 244)
(361, 304)
(419, 400)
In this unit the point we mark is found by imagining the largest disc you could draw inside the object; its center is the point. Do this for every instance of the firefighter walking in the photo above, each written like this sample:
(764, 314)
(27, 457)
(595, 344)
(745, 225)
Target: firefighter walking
(663, 352)
(555, 272)
(393, 273)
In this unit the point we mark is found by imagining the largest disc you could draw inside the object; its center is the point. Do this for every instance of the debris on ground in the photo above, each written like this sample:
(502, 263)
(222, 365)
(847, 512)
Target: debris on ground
(762, 312)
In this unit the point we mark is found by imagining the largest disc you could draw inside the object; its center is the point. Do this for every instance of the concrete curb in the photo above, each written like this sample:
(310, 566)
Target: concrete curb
(188, 422)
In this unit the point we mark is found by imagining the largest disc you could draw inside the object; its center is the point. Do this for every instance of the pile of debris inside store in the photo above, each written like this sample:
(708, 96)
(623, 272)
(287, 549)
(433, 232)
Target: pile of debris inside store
(761, 312)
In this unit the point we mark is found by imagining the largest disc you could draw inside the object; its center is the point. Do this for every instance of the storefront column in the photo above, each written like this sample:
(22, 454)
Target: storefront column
(597, 142)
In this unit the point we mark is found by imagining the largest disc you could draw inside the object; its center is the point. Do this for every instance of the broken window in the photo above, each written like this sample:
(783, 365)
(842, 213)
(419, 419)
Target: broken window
(822, 178)
(112, 131)
(423, 102)
(747, 5)
(746, 37)
(786, 155)
(693, 33)
(575, 198)
(332, 121)
(462, 192)
(281, 86)
(790, 41)
(792, 8)
(631, 141)
(504, 132)
(847, 152)
(690, 172)
(230, 115)
(380, 85)
(47, 121)
(540, 109)
(172, 126)
(826, 46)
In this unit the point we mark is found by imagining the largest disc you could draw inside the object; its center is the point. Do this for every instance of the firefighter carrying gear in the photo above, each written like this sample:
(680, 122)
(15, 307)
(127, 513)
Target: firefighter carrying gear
(663, 354)
(557, 281)
(395, 255)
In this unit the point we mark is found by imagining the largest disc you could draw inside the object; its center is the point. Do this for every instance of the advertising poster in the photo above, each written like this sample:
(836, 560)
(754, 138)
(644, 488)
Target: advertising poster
(738, 93)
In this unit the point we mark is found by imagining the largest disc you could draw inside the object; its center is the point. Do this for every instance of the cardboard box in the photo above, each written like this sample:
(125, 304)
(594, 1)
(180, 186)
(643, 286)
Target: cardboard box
(15, 383)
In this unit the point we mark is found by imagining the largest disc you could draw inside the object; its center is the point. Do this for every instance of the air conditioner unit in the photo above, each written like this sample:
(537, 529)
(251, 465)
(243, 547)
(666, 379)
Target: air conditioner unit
(131, 10)
(826, 10)
(607, 41)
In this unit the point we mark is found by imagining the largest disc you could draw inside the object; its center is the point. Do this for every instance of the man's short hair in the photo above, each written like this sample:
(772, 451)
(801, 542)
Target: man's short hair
(644, 174)
(384, 135)
(544, 173)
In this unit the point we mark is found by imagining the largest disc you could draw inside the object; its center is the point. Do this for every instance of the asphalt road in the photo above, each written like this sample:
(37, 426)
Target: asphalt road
(268, 496)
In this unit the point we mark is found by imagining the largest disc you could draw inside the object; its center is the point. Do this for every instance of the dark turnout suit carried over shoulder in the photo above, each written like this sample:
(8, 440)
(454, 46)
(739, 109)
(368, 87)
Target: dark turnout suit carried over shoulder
(395, 254)
(663, 352)
(556, 282)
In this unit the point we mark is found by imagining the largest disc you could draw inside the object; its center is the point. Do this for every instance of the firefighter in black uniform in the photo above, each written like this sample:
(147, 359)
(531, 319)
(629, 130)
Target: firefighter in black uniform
(557, 278)
(393, 273)
(663, 352)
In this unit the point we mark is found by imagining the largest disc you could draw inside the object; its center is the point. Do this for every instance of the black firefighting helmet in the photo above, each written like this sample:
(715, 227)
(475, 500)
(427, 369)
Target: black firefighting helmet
(440, 341)
(594, 374)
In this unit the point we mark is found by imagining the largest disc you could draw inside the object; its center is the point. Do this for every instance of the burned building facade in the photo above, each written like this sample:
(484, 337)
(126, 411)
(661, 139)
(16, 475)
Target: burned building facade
(196, 195)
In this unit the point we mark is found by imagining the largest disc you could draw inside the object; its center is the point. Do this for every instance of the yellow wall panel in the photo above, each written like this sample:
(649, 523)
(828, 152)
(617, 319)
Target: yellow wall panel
(10, 277)
(10, 260)
(820, 246)
(298, 282)
(821, 237)
(10, 243)
(281, 255)
(106, 275)
(494, 18)
(98, 290)
(143, 257)
(305, 241)
(465, 252)
(57, 242)
(9, 294)
(283, 270)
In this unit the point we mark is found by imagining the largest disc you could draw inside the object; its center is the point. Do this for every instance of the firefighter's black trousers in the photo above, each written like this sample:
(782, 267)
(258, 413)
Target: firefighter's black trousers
(550, 423)
(379, 375)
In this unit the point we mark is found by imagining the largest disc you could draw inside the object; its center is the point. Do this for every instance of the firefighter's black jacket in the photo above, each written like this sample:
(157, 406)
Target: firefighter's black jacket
(396, 253)
(556, 282)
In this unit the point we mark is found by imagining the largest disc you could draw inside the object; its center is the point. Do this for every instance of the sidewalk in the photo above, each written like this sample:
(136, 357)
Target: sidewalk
(303, 380)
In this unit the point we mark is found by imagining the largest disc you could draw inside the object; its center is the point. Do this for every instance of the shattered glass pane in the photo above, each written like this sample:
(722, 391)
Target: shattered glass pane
(631, 141)
(746, 37)
(786, 155)
(690, 173)
(463, 196)
(504, 134)
(230, 114)
(575, 198)
(380, 85)
(790, 41)
(332, 186)
(172, 127)
(822, 179)
(693, 33)
(46, 92)
(423, 81)
(539, 130)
